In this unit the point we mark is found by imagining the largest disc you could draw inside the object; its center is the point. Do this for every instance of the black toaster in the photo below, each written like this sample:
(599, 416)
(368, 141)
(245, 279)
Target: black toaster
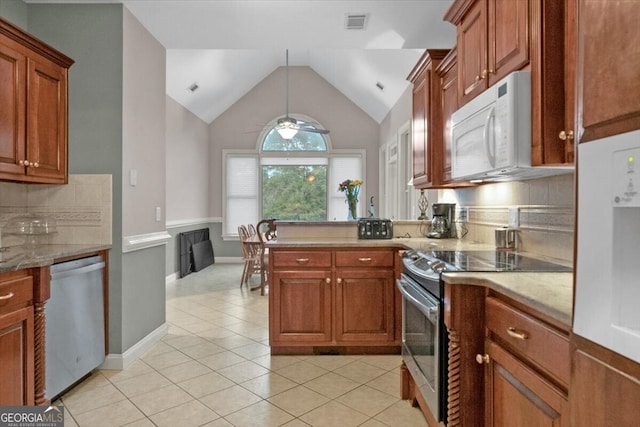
(375, 228)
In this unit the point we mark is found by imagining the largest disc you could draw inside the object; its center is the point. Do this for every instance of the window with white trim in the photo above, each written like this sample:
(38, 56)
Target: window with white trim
(295, 182)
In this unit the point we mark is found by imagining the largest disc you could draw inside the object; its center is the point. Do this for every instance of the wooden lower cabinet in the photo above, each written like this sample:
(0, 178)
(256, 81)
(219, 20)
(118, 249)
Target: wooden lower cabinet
(605, 387)
(508, 366)
(316, 306)
(22, 297)
(517, 396)
(16, 354)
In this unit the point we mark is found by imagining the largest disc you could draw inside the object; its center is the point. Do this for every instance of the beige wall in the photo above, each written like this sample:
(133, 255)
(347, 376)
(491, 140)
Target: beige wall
(143, 132)
(399, 116)
(309, 94)
(187, 164)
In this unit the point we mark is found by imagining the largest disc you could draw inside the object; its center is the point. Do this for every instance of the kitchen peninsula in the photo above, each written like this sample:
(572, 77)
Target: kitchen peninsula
(332, 293)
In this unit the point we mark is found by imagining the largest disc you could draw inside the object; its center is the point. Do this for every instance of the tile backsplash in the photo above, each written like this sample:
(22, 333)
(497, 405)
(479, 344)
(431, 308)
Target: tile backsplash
(545, 206)
(82, 208)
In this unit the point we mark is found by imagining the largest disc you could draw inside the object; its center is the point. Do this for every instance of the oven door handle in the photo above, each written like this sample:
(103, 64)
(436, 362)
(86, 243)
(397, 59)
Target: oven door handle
(427, 305)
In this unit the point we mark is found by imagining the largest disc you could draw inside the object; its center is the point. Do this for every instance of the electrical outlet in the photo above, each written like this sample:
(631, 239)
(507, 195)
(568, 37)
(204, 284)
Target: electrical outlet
(463, 216)
(514, 217)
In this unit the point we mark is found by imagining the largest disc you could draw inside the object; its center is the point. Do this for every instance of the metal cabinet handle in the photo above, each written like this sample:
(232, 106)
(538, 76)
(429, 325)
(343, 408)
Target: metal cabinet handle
(564, 135)
(364, 259)
(24, 163)
(302, 260)
(7, 296)
(513, 332)
(328, 280)
(477, 78)
(339, 280)
(483, 358)
(35, 164)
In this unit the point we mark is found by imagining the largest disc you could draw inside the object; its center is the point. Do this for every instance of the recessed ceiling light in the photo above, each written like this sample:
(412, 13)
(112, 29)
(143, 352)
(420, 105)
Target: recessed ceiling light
(356, 21)
(193, 87)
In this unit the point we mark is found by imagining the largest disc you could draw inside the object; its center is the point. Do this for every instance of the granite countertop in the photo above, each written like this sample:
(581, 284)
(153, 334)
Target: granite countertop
(18, 257)
(548, 293)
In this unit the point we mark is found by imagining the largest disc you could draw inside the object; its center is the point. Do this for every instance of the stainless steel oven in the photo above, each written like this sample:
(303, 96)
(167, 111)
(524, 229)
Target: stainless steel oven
(424, 334)
(422, 342)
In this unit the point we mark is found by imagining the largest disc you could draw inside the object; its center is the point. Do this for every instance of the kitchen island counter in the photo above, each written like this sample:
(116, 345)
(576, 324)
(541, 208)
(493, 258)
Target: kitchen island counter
(549, 293)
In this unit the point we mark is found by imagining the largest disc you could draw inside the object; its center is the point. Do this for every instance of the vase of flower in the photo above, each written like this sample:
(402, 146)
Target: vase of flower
(351, 189)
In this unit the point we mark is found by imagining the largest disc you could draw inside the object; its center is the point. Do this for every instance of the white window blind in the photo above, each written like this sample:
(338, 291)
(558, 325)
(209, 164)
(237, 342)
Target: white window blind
(340, 169)
(241, 180)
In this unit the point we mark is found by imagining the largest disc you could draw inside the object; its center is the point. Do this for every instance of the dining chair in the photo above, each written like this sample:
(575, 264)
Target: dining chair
(266, 230)
(249, 255)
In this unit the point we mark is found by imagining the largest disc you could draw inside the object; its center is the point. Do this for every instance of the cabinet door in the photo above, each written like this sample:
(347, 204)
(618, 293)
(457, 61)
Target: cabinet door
(517, 397)
(472, 52)
(365, 306)
(16, 354)
(300, 306)
(419, 129)
(12, 99)
(602, 395)
(47, 120)
(449, 106)
(508, 47)
(608, 64)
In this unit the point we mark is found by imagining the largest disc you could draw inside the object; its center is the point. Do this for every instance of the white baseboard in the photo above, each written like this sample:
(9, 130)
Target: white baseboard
(123, 361)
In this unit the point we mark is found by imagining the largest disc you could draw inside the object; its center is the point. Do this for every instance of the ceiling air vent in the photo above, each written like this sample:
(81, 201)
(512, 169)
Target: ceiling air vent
(356, 21)
(193, 87)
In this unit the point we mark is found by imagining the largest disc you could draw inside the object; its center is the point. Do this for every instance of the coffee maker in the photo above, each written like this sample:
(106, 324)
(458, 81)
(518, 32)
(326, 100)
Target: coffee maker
(443, 222)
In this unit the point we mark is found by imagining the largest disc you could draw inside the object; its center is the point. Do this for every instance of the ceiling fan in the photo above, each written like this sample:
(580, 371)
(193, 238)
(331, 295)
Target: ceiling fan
(287, 126)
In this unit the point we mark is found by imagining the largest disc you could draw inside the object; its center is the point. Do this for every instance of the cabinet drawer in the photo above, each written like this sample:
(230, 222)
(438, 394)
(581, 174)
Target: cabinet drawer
(301, 259)
(364, 258)
(15, 291)
(541, 344)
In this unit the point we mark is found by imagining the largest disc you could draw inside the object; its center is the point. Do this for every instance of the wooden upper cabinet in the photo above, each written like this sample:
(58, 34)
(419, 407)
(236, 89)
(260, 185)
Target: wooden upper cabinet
(427, 118)
(33, 137)
(497, 37)
(608, 69)
(448, 72)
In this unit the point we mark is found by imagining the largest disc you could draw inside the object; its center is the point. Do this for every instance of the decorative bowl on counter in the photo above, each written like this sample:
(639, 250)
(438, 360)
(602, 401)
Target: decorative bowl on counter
(34, 227)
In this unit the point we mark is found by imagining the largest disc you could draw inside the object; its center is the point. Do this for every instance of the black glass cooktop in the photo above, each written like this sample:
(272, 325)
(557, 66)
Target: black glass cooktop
(487, 261)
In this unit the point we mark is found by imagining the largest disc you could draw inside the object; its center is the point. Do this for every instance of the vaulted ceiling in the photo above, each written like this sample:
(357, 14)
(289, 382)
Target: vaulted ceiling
(226, 47)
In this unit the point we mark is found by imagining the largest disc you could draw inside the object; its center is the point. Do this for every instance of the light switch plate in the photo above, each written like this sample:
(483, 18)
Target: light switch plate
(514, 217)
(158, 213)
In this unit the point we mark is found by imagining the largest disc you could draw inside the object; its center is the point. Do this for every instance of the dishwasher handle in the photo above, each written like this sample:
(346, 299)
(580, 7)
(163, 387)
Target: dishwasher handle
(77, 271)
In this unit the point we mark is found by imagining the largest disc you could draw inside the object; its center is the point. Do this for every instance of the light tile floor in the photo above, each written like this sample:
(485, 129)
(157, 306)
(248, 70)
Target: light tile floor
(214, 368)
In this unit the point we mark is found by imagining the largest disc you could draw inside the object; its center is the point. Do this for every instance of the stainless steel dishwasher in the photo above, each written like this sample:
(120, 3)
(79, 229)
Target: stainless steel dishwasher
(75, 323)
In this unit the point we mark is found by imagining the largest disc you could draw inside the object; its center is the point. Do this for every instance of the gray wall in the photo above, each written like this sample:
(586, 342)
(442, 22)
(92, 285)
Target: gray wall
(93, 35)
(16, 12)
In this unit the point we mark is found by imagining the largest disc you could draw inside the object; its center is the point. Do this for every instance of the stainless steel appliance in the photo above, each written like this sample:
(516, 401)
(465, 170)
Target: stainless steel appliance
(375, 228)
(75, 323)
(424, 334)
(443, 221)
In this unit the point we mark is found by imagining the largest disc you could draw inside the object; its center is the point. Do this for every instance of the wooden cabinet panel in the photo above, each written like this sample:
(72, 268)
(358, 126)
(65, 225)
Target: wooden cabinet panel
(608, 64)
(16, 292)
(508, 37)
(541, 344)
(12, 99)
(302, 306)
(302, 259)
(33, 120)
(16, 353)
(47, 120)
(517, 397)
(365, 306)
(427, 119)
(365, 258)
(448, 72)
(605, 388)
(349, 306)
(472, 52)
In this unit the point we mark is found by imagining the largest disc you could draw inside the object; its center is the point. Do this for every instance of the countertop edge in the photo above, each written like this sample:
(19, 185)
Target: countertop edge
(19, 258)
